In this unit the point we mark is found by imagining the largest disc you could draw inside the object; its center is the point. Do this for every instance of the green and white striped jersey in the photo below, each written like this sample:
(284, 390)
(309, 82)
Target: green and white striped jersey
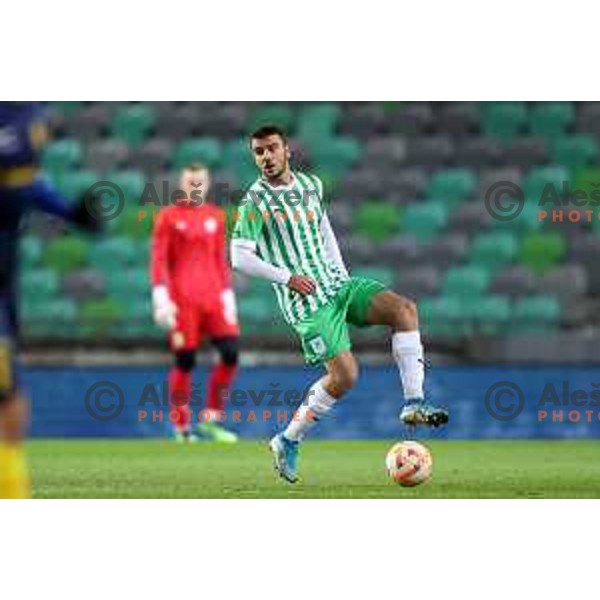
(284, 224)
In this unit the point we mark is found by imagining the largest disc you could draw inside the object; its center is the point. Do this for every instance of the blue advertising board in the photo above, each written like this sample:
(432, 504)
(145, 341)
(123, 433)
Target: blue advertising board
(485, 402)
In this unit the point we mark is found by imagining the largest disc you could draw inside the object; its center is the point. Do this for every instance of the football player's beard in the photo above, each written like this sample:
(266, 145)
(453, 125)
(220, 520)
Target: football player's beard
(279, 172)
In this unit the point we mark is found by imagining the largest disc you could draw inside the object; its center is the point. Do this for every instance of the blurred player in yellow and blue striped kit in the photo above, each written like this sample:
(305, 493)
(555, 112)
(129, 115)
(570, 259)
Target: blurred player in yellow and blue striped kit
(22, 188)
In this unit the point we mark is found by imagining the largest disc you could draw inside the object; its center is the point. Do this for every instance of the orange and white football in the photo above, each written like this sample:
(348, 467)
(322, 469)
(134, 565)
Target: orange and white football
(409, 463)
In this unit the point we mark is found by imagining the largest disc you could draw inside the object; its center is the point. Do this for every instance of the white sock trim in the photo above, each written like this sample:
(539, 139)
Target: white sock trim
(406, 341)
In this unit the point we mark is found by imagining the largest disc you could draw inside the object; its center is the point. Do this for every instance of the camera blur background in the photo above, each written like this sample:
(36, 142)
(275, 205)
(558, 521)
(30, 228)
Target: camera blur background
(499, 300)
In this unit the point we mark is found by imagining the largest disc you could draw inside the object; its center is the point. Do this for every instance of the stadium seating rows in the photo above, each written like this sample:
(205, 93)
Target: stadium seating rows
(406, 183)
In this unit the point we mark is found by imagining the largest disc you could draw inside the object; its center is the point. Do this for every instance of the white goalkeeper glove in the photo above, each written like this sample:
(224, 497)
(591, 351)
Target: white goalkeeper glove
(229, 307)
(164, 309)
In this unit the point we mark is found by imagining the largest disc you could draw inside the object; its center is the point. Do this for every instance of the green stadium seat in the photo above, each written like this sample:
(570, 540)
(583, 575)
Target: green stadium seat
(527, 220)
(110, 254)
(494, 250)
(104, 309)
(68, 107)
(452, 185)
(237, 159)
(492, 315)
(503, 120)
(256, 309)
(66, 253)
(329, 181)
(272, 114)
(259, 287)
(202, 150)
(147, 202)
(61, 156)
(318, 121)
(32, 307)
(31, 250)
(443, 317)
(64, 313)
(454, 316)
(551, 118)
(543, 250)
(391, 105)
(575, 150)
(586, 179)
(383, 274)
(335, 156)
(137, 320)
(132, 183)
(40, 283)
(133, 123)
(129, 285)
(73, 184)
(539, 177)
(425, 219)
(141, 256)
(139, 309)
(45, 317)
(100, 317)
(536, 314)
(466, 282)
(376, 220)
(136, 225)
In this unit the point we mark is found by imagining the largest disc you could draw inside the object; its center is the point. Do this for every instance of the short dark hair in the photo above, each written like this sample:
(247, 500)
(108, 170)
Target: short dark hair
(266, 131)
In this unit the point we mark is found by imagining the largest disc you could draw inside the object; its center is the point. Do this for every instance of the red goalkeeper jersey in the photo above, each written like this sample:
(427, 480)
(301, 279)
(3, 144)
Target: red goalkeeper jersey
(189, 255)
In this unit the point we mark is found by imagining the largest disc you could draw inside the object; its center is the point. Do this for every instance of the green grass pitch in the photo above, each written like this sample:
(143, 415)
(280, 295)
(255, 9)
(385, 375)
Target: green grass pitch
(341, 469)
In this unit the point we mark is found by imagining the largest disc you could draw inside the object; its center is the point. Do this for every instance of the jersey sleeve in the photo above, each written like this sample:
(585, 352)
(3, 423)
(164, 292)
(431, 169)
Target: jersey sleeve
(159, 261)
(330, 243)
(247, 219)
(47, 199)
(318, 185)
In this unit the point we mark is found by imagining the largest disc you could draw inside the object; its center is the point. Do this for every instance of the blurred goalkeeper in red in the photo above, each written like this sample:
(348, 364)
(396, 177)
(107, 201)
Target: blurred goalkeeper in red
(193, 299)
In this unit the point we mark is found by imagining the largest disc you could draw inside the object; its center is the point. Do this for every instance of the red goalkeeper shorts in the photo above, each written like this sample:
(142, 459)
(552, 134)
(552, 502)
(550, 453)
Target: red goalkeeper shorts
(196, 321)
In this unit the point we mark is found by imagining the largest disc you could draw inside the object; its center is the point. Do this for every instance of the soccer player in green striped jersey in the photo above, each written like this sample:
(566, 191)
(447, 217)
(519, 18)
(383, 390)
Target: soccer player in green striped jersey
(282, 234)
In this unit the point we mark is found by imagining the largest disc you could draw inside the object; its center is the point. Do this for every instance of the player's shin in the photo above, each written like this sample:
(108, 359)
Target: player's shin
(317, 404)
(180, 387)
(407, 350)
(219, 384)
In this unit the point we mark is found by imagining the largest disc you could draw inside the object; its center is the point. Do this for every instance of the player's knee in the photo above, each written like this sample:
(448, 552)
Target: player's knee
(347, 378)
(185, 360)
(229, 351)
(230, 357)
(345, 375)
(405, 314)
